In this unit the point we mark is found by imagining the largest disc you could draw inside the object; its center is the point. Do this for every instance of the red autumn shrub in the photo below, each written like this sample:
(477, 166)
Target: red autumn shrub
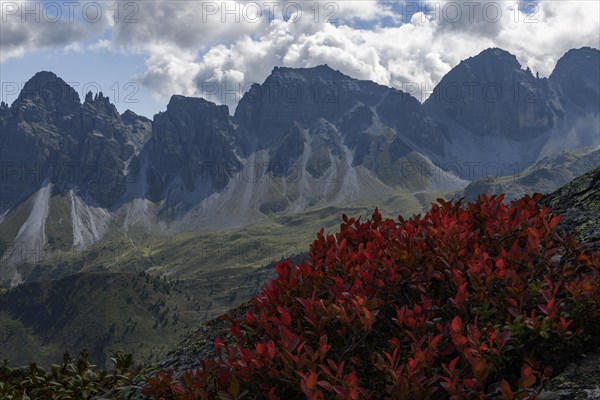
(462, 302)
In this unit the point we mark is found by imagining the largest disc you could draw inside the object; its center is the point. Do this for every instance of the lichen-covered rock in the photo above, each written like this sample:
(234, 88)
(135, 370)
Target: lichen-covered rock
(579, 381)
(579, 204)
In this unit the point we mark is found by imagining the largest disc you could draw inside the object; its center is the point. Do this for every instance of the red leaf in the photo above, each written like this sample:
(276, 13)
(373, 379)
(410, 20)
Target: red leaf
(470, 383)
(507, 393)
(219, 344)
(311, 382)
(459, 340)
(456, 324)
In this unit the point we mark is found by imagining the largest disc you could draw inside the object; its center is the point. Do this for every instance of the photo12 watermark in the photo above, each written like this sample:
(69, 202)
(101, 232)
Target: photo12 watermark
(254, 12)
(52, 12)
(117, 92)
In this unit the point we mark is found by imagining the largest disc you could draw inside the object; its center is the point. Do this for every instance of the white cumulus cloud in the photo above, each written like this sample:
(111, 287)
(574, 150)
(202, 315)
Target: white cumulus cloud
(217, 49)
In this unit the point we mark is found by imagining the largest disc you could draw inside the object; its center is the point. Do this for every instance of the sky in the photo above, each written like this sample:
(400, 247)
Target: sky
(139, 53)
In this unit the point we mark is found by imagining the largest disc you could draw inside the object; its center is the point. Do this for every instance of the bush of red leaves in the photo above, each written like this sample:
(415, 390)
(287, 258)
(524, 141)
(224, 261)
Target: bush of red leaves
(467, 301)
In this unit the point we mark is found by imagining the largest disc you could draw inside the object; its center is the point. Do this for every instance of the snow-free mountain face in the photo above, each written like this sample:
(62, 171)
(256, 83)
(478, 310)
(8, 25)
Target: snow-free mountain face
(498, 119)
(576, 84)
(490, 94)
(63, 166)
(304, 139)
(49, 135)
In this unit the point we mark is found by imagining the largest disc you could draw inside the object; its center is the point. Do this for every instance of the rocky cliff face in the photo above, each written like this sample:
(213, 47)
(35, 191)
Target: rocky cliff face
(63, 165)
(362, 111)
(192, 149)
(48, 134)
(576, 80)
(490, 95)
(579, 204)
(327, 121)
(576, 86)
(498, 118)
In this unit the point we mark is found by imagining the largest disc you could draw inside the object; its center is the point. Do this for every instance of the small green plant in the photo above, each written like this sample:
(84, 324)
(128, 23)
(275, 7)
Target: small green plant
(70, 380)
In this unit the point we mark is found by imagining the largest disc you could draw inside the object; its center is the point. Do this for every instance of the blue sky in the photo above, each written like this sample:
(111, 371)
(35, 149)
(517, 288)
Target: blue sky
(151, 50)
(112, 73)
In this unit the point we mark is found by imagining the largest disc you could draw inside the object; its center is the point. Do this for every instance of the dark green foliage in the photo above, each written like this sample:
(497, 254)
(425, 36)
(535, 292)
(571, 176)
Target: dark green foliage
(71, 380)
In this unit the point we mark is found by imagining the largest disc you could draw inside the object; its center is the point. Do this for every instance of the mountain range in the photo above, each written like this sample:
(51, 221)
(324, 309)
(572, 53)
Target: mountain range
(309, 139)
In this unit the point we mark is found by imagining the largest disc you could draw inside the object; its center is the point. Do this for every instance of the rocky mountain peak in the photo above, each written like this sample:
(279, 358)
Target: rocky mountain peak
(491, 95)
(584, 57)
(48, 126)
(494, 54)
(268, 112)
(491, 67)
(130, 117)
(321, 72)
(577, 79)
(191, 119)
(179, 103)
(101, 105)
(49, 91)
(191, 140)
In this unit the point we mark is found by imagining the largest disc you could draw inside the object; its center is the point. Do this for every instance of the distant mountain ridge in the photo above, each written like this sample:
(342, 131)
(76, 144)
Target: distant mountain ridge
(310, 137)
(545, 176)
(490, 94)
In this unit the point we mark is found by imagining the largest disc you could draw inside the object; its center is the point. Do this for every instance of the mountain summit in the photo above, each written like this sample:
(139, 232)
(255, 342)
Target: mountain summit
(50, 92)
(490, 94)
(492, 112)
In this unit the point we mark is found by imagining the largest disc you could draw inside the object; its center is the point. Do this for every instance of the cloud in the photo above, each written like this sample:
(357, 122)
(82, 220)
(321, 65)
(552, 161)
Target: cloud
(217, 49)
(102, 44)
(550, 31)
(28, 26)
(419, 52)
(188, 25)
(169, 70)
(73, 48)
